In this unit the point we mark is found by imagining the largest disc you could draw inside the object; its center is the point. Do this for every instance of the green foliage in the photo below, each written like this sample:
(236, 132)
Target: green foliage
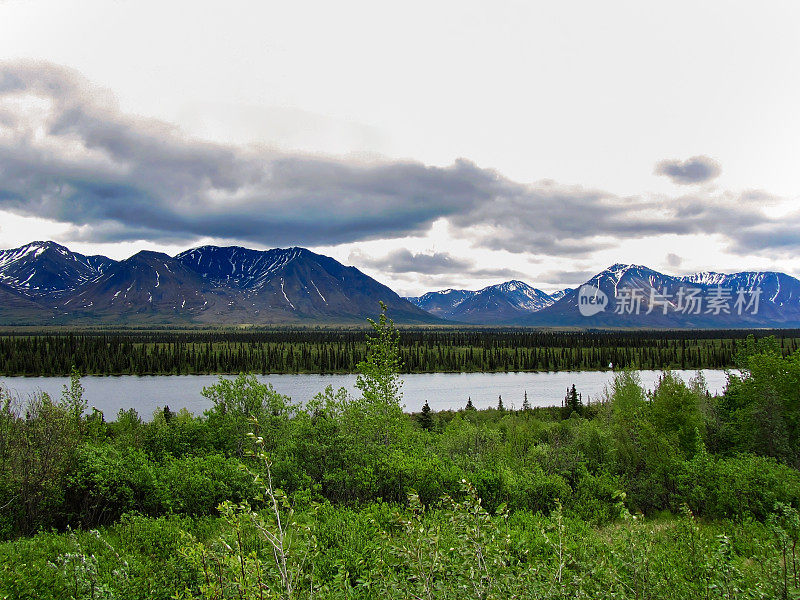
(675, 412)
(352, 498)
(573, 404)
(196, 485)
(155, 565)
(453, 549)
(379, 407)
(235, 566)
(178, 435)
(106, 482)
(80, 571)
(526, 405)
(127, 431)
(39, 441)
(760, 411)
(425, 419)
(74, 566)
(737, 487)
(466, 443)
(378, 377)
(785, 526)
(348, 539)
(72, 400)
(420, 562)
(236, 403)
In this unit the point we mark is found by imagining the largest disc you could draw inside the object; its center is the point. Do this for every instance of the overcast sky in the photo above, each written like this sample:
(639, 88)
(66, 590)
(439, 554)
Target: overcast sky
(431, 144)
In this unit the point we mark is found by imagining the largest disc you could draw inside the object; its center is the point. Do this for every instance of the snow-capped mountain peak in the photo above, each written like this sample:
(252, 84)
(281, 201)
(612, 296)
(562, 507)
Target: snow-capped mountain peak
(209, 284)
(498, 303)
(48, 268)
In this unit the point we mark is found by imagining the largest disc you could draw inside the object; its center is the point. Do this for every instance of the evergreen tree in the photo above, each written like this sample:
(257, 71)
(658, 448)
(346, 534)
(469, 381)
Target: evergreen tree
(525, 404)
(425, 418)
(573, 402)
(500, 406)
(470, 406)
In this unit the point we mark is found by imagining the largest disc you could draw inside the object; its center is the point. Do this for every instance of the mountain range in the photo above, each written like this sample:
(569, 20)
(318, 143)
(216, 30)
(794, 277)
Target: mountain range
(501, 304)
(634, 296)
(46, 283)
(638, 296)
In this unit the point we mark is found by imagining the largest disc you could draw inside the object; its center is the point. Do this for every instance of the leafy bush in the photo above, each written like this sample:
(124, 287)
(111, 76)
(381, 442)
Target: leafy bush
(196, 485)
(737, 487)
(107, 482)
(532, 489)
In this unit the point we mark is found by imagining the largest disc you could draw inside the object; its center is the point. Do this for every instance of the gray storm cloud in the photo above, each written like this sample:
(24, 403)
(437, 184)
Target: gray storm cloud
(434, 263)
(67, 153)
(559, 277)
(78, 160)
(404, 261)
(697, 169)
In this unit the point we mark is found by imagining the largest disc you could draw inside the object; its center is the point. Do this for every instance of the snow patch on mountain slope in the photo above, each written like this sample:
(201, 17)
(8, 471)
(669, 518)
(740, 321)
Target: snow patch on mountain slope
(283, 291)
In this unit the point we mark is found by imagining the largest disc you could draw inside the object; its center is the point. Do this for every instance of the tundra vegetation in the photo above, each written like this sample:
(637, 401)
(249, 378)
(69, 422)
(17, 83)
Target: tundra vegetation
(669, 494)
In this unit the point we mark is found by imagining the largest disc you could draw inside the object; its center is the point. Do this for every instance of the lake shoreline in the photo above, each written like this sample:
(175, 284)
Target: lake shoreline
(342, 373)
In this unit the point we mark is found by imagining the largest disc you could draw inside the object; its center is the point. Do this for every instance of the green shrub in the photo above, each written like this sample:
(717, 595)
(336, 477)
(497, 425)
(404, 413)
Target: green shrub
(107, 482)
(593, 497)
(196, 485)
(737, 487)
(349, 538)
(532, 489)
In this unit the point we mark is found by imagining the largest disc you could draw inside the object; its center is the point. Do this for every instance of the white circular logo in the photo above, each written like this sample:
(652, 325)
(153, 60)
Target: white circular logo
(591, 300)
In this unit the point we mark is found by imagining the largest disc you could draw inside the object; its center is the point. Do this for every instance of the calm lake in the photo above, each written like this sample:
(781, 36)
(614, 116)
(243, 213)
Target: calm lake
(442, 390)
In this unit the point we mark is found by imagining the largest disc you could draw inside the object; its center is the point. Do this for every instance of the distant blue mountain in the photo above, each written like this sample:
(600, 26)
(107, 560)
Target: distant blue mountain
(504, 303)
(643, 298)
(630, 289)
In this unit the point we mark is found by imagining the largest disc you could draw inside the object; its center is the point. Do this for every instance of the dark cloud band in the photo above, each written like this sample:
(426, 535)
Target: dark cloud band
(67, 153)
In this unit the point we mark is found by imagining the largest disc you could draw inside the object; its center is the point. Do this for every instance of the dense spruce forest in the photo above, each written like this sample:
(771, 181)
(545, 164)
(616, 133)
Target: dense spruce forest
(341, 350)
(668, 494)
